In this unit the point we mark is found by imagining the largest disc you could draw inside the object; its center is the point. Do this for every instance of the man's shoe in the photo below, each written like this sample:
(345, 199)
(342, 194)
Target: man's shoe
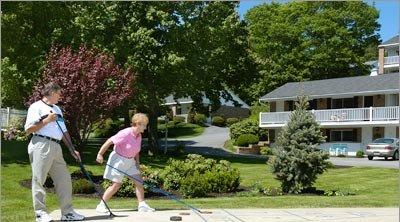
(42, 216)
(72, 216)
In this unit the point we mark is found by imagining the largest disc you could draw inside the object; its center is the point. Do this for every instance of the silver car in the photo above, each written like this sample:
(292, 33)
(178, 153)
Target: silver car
(383, 147)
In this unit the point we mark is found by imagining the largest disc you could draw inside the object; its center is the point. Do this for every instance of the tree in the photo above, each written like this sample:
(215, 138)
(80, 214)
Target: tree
(179, 48)
(28, 31)
(298, 159)
(309, 41)
(92, 86)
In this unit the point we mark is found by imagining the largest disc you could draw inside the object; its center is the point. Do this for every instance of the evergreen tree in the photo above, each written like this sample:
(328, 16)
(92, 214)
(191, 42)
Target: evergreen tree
(298, 159)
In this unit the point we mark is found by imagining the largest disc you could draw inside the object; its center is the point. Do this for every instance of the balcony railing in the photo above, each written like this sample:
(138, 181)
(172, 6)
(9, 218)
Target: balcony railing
(390, 60)
(338, 115)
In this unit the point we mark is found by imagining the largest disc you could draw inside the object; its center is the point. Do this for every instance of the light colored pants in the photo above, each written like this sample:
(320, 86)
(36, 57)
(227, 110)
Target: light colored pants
(46, 158)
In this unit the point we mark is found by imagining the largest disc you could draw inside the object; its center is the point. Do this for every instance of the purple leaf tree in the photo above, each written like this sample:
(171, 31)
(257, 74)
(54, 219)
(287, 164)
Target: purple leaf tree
(92, 87)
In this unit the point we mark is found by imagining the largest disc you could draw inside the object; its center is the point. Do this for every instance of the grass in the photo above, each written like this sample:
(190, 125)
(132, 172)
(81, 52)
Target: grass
(229, 145)
(180, 130)
(374, 187)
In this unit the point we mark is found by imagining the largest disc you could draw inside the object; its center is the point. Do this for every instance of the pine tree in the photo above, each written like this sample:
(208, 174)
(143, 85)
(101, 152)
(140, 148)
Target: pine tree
(298, 159)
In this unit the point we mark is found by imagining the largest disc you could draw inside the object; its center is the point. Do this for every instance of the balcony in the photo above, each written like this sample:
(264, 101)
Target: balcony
(391, 60)
(339, 117)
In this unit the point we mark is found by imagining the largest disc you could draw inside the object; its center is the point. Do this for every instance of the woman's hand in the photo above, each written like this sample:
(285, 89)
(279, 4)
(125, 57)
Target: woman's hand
(99, 158)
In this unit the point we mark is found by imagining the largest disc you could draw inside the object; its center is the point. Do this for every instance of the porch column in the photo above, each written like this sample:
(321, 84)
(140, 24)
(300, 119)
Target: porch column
(366, 135)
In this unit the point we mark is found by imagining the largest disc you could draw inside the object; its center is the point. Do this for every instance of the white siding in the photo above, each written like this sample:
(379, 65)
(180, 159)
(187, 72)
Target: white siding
(366, 135)
(390, 131)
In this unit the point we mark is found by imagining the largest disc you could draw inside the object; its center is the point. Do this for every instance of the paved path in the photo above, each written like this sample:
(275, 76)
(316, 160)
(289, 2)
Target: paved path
(253, 215)
(376, 162)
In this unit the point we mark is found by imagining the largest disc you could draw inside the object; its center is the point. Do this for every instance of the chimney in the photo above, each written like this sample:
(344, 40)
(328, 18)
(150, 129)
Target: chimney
(381, 60)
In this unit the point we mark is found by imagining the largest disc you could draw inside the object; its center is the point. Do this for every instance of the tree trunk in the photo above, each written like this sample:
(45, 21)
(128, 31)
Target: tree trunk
(153, 107)
(152, 133)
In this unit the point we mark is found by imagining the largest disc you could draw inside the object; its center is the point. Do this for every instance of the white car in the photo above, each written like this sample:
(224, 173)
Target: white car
(383, 147)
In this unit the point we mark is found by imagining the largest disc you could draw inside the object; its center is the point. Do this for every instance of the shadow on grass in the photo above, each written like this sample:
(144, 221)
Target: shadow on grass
(16, 152)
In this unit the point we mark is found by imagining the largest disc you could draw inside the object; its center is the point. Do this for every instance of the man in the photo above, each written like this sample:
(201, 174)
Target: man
(45, 154)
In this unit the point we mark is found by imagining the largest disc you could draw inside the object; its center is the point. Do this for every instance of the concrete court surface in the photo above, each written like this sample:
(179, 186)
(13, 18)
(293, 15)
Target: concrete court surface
(250, 215)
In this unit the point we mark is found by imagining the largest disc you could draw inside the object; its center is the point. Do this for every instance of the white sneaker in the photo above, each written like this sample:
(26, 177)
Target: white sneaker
(101, 208)
(72, 216)
(143, 207)
(42, 216)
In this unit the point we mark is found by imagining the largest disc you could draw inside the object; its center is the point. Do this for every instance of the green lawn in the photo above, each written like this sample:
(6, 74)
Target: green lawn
(229, 146)
(374, 187)
(180, 130)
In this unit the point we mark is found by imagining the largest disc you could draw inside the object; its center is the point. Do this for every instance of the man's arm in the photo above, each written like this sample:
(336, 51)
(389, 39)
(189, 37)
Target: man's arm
(68, 142)
(37, 126)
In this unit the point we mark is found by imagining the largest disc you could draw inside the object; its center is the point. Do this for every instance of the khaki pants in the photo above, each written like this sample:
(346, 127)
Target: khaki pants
(46, 158)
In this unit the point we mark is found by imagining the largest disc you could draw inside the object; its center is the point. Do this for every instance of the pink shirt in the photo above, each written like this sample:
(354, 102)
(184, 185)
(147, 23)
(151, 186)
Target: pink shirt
(126, 143)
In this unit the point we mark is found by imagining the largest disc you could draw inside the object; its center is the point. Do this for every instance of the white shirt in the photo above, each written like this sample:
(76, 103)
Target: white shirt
(40, 109)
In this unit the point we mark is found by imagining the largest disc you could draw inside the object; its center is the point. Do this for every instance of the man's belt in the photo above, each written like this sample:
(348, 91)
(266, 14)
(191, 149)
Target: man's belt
(49, 138)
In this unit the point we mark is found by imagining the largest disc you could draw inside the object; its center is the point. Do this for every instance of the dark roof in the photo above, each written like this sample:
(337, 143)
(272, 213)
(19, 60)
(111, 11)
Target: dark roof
(393, 40)
(349, 86)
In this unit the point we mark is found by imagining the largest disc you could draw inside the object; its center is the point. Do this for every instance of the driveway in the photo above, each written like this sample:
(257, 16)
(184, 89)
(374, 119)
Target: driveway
(364, 162)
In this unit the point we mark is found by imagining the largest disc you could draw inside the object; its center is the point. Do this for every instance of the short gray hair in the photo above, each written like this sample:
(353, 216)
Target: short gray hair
(50, 88)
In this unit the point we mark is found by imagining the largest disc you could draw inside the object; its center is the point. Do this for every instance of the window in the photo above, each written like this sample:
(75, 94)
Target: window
(368, 101)
(342, 135)
(383, 140)
(312, 104)
(342, 103)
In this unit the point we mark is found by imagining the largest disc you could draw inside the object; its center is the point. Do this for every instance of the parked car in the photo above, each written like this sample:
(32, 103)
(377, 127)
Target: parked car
(383, 147)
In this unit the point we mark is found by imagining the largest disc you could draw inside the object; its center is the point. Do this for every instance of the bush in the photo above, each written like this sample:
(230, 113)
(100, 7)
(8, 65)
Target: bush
(196, 176)
(258, 188)
(246, 139)
(82, 186)
(195, 185)
(218, 121)
(178, 119)
(266, 151)
(151, 178)
(246, 126)
(16, 130)
(360, 154)
(161, 121)
(107, 128)
(200, 119)
(77, 174)
(231, 121)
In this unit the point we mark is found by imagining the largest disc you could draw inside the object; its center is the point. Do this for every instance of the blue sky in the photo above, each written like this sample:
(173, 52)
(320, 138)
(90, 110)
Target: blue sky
(388, 14)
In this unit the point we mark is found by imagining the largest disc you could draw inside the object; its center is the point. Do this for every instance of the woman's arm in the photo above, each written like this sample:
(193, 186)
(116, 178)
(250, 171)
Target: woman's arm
(102, 150)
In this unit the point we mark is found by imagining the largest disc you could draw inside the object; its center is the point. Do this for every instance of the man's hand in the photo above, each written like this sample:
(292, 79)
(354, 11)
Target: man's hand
(77, 155)
(50, 118)
(99, 158)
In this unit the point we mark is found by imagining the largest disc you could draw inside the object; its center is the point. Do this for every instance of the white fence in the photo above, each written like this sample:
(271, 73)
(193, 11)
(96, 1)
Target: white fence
(7, 114)
(391, 60)
(338, 115)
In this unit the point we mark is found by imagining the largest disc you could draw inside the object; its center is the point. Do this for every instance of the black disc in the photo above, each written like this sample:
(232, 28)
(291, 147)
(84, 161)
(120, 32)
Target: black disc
(175, 218)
